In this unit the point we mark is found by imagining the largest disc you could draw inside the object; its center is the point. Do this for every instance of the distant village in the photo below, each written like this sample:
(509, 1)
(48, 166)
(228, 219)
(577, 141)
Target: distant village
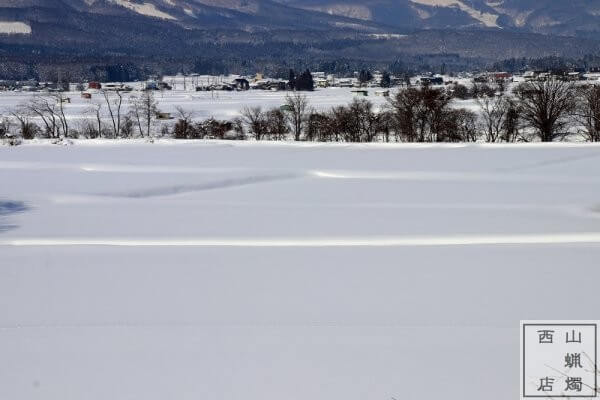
(359, 82)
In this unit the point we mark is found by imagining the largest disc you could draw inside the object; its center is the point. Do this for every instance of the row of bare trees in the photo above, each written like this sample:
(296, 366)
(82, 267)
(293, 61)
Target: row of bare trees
(425, 115)
(108, 118)
(49, 109)
(542, 111)
(413, 115)
(547, 111)
(278, 123)
(186, 128)
(139, 119)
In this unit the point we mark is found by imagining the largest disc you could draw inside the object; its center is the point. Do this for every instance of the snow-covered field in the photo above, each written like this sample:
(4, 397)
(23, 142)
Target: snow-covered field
(217, 270)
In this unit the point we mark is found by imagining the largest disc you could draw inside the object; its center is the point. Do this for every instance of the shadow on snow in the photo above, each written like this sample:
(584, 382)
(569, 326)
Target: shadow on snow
(8, 208)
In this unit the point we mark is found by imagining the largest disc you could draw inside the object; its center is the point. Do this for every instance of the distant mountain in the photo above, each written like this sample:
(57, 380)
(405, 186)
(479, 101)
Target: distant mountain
(164, 26)
(557, 17)
(245, 15)
(218, 35)
(569, 18)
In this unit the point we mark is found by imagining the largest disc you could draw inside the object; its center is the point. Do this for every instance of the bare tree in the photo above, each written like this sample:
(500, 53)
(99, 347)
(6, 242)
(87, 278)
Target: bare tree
(20, 114)
(113, 104)
(337, 120)
(298, 108)
(144, 111)
(319, 127)
(183, 128)
(345, 124)
(28, 130)
(96, 110)
(512, 122)
(384, 121)
(135, 114)
(238, 128)
(356, 122)
(436, 103)
(45, 108)
(588, 112)
(419, 114)
(459, 125)
(184, 114)
(406, 110)
(50, 109)
(147, 107)
(61, 100)
(493, 111)
(546, 107)
(255, 118)
(277, 127)
(366, 119)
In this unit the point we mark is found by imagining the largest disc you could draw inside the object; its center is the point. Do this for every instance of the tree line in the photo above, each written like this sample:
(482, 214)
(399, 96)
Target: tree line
(534, 111)
(547, 111)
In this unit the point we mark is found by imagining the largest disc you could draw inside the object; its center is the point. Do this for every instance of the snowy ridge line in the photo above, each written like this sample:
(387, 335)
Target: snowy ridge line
(398, 241)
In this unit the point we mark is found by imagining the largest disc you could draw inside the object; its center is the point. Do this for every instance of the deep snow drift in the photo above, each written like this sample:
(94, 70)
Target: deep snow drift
(282, 271)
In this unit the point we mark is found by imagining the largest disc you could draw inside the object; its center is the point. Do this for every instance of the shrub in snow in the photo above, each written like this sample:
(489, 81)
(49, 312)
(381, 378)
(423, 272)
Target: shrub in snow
(63, 142)
(29, 130)
(12, 141)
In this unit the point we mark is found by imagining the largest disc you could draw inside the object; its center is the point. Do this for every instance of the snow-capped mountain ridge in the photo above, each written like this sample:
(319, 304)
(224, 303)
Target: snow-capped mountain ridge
(470, 28)
(577, 17)
(539, 16)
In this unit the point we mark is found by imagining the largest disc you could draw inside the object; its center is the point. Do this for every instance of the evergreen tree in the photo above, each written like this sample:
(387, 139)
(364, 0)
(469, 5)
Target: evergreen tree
(292, 79)
(365, 76)
(386, 80)
(305, 81)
